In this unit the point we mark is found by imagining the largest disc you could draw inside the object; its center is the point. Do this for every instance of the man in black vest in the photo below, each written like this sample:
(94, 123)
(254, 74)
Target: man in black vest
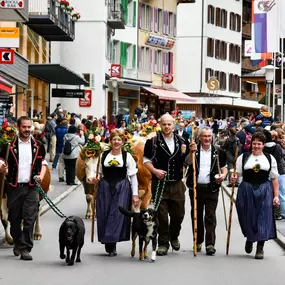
(26, 160)
(182, 133)
(164, 156)
(206, 160)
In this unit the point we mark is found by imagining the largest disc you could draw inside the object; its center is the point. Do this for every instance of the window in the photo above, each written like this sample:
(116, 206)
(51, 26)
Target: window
(129, 55)
(232, 22)
(147, 17)
(210, 47)
(218, 17)
(115, 52)
(217, 49)
(224, 18)
(209, 73)
(234, 83)
(223, 50)
(211, 15)
(144, 58)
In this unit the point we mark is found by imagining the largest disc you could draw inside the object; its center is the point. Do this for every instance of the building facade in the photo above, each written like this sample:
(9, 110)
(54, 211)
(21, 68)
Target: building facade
(212, 47)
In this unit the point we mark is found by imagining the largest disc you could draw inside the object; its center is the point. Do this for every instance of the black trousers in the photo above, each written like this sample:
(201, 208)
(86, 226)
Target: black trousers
(172, 204)
(23, 205)
(208, 201)
(70, 167)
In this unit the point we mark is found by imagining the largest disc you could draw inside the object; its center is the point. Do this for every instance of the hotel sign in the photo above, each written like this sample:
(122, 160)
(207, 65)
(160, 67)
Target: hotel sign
(158, 41)
(68, 93)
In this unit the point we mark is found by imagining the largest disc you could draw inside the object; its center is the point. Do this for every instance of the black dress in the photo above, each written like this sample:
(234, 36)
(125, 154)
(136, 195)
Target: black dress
(114, 190)
(254, 205)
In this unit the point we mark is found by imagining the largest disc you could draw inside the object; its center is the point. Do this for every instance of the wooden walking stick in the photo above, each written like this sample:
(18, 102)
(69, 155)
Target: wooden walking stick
(223, 196)
(231, 206)
(194, 198)
(94, 201)
(2, 177)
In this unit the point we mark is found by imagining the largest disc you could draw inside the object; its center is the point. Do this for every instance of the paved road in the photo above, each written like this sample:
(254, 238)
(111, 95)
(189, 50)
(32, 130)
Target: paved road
(177, 268)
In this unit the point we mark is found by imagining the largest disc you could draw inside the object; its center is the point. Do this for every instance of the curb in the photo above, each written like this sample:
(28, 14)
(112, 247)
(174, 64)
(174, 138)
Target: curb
(280, 240)
(59, 198)
(46, 207)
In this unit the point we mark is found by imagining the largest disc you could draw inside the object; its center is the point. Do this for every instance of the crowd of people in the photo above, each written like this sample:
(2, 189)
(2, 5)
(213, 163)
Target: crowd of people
(258, 141)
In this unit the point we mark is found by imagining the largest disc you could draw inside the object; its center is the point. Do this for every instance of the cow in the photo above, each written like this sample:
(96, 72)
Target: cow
(86, 170)
(45, 184)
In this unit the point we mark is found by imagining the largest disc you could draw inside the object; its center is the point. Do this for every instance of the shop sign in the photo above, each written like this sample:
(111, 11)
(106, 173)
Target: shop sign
(159, 41)
(116, 70)
(6, 56)
(87, 100)
(68, 93)
(167, 78)
(12, 4)
(213, 84)
(9, 37)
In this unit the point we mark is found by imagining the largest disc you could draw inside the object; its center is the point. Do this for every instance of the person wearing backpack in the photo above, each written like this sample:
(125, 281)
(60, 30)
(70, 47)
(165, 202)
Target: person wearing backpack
(257, 194)
(70, 152)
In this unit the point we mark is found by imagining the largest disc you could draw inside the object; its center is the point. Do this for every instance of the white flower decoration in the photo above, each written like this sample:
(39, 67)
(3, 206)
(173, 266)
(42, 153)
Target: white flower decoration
(91, 136)
(98, 138)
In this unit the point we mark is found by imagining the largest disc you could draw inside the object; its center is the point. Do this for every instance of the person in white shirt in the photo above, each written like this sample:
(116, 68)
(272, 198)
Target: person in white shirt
(208, 187)
(26, 162)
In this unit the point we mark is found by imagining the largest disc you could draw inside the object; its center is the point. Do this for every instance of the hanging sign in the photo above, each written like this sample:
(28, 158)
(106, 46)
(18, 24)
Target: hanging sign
(167, 78)
(87, 100)
(12, 4)
(116, 70)
(158, 41)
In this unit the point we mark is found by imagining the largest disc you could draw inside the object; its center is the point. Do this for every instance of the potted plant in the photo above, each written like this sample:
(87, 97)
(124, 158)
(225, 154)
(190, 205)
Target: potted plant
(69, 9)
(64, 4)
(76, 16)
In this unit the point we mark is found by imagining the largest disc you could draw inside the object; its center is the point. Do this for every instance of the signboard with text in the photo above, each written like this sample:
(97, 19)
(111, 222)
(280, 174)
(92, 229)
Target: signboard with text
(67, 93)
(87, 100)
(159, 41)
(9, 37)
(12, 4)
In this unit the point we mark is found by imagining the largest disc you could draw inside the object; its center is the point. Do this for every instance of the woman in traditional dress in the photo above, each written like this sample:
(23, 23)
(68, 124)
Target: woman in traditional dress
(257, 194)
(118, 187)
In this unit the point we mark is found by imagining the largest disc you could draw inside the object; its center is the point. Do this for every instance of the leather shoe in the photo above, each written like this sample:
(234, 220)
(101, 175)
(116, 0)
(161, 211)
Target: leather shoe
(113, 253)
(210, 250)
(175, 244)
(25, 255)
(248, 247)
(16, 250)
(162, 250)
(259, 252)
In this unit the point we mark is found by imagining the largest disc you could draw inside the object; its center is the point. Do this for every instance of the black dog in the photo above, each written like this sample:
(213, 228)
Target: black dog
(71, 237)
(145, 226)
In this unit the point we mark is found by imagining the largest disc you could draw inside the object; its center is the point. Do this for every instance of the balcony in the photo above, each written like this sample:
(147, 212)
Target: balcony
(15, 15)
(251, 95)
(115, 15)
(246, 65)
(50, 21)
(246, 30)
(137, 74)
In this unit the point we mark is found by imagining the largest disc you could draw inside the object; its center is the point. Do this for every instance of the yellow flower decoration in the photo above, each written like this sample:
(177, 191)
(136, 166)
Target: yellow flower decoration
(256, 168)
(113, 163)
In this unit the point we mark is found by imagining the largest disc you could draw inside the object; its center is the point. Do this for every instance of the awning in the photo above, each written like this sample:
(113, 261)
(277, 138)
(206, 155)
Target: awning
(5, 85)
(170, 95)
(56, 74)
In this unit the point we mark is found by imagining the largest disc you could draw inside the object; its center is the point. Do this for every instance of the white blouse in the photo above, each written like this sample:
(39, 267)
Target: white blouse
(262, 161)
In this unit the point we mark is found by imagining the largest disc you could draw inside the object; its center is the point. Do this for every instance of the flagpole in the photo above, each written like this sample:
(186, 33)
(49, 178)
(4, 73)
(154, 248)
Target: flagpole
(282, 81)
(274, 85)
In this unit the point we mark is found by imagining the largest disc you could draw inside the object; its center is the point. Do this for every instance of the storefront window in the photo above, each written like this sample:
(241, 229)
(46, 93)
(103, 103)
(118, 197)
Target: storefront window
(124, 106)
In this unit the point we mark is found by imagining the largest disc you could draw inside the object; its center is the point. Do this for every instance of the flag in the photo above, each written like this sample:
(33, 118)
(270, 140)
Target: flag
(265, 25)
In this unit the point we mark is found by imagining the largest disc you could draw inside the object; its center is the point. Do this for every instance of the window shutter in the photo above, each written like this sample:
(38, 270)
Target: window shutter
(134, 56)
(139, 57)
(164, 22)
(151, 19)
(155, 17)
(124, 4)
(122, 53)
(150, 59)
(167, 24)
(171, 62)
(174, 23)
(140, 15)
(134, 13)
(112, 52)
(163, 62)
(155, 60)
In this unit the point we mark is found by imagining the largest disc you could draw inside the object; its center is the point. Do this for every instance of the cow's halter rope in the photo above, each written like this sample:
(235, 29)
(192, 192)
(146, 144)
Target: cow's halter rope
(48, 200)
(157, 203)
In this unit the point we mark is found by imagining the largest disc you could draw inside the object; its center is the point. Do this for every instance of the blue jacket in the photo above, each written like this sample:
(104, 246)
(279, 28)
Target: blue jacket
(61, 130)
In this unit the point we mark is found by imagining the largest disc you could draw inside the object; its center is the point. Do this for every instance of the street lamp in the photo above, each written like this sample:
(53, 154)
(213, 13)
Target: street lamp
(269, 76)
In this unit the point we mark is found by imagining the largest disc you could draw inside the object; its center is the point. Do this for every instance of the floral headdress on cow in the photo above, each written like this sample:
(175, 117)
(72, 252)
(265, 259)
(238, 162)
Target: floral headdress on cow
(93, 146)
(150, 127)
(7, 133)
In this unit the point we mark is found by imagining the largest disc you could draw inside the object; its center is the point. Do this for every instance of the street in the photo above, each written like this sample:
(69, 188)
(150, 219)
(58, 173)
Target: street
(175, 268)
